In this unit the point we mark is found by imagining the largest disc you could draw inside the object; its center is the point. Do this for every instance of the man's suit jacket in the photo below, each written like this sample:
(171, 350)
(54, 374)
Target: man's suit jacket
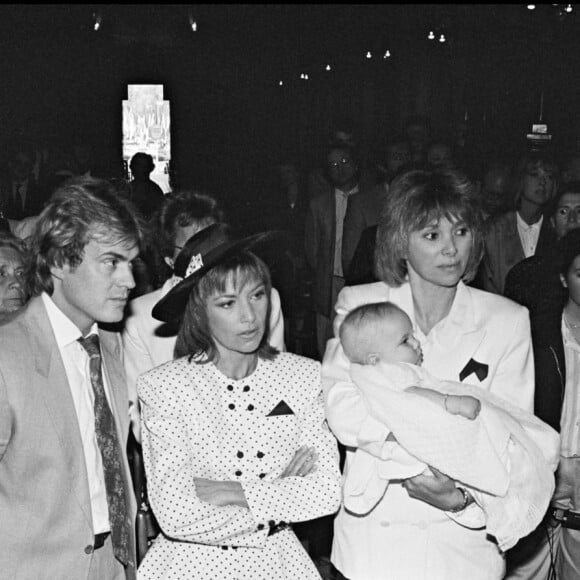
(319, 237)
(364, 211)
(36, 197)
(503, 249)
(46, 529)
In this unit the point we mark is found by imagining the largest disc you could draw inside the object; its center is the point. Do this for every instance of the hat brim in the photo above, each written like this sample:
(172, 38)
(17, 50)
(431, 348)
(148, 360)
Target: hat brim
(172, 306)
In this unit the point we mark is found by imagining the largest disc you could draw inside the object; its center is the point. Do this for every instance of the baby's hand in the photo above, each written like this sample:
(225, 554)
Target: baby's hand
(464, 405)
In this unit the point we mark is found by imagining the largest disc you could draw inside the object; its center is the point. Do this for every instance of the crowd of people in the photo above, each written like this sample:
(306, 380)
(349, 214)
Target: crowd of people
(373, 376)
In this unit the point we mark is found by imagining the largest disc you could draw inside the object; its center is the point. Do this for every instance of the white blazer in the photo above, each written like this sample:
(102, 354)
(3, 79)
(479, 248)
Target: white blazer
(404, 538)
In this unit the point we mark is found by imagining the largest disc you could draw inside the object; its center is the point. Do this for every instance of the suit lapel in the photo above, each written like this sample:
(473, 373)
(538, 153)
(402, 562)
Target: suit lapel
(513, 250)
(50, 379)
(461, 333)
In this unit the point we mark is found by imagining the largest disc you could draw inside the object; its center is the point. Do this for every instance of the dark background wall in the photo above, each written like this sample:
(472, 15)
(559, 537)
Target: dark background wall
(61, 80)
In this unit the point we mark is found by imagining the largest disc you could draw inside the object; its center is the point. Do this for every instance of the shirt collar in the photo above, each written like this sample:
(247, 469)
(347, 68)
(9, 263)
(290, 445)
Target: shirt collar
(347, 193)
(461, 316)
(524, 226)
(65, 330)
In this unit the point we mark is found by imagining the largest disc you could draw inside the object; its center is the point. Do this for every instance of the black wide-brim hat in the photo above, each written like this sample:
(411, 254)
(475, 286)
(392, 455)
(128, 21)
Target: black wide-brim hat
(202, 252)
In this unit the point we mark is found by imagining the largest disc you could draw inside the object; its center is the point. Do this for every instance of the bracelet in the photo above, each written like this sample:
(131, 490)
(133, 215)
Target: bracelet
(463, 503)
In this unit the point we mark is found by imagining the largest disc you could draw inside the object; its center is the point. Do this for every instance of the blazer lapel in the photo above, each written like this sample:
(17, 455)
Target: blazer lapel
(50, 379)
(461, 334)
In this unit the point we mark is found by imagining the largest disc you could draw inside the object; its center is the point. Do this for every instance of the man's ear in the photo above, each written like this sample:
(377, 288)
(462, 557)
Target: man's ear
(169, 261)
(563, 281)
(372, 358)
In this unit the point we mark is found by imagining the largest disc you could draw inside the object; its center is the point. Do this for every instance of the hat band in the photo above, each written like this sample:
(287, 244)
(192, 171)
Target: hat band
(195, 264)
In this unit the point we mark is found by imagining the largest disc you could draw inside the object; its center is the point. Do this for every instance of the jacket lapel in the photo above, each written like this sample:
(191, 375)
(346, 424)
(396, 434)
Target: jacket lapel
(461, 334)
(115, 373)
(50, 379)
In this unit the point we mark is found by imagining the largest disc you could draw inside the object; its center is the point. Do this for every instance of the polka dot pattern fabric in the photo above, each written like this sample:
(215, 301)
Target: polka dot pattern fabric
(199, 423)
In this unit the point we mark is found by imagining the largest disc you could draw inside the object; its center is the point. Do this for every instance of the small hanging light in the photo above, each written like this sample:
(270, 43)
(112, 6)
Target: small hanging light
(431, 35)
(387, 54)
(442, 38)
(328, 67)
(192, 23)
(97, 21)
(568, 8)
(531, 6)
(281, 83)
(369, 55)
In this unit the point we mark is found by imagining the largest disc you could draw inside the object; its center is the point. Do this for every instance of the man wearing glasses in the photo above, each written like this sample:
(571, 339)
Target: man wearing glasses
(324, 234)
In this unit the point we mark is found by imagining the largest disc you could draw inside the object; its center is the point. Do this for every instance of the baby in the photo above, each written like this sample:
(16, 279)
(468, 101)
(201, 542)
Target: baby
(382, 332)
(505, 455)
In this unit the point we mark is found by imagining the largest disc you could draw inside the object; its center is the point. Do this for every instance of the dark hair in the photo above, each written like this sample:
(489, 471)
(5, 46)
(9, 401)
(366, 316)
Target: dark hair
(81, 210)
(568, 248)
(142, 157)
(194, 336)
(415, 199)
(182, 209)
(565, 187)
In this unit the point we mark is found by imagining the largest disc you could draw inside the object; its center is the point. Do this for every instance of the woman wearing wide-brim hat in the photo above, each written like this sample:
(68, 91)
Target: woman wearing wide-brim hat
(234, 440)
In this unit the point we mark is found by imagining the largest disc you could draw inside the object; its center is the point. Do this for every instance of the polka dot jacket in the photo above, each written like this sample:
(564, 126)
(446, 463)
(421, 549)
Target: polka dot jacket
(199, 423)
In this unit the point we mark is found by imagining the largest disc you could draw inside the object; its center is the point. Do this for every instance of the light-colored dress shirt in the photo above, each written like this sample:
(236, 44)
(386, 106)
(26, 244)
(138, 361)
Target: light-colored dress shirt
(76, 365)
(529, 235)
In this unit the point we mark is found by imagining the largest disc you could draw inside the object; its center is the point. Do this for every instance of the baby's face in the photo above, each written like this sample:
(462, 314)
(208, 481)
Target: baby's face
(395, 341)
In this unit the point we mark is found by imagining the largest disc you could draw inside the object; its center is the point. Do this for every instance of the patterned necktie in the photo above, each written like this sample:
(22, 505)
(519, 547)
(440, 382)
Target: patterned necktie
(108, 442)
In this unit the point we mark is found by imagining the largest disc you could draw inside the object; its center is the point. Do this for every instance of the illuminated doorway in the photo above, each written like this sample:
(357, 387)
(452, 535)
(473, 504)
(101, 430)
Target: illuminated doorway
(146, 128)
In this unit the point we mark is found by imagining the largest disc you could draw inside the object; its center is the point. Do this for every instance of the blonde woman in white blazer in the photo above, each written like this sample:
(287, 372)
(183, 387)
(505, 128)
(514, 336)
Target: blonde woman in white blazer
(235, 443)
(428, 244)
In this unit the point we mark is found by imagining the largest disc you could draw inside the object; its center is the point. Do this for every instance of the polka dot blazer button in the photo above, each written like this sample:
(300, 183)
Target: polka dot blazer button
(238, 473)
(250, 407)
(259, 455)
(271, 523)
(240, 454)
(230, 387)
(260, 526)
(224, 547)
(246, 389)
(262, 475)
(231, 406)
